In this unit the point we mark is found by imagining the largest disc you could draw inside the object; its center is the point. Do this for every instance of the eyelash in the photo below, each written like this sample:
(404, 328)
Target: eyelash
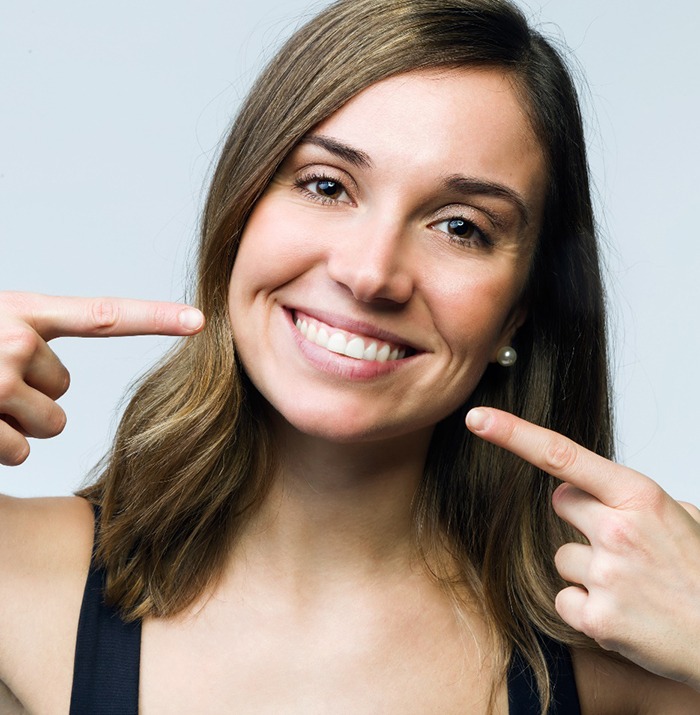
(302, 182)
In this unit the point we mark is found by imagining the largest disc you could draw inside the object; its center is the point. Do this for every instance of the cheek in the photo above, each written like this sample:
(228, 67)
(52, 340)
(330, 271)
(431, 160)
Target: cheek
(472, 312)
(274, 249)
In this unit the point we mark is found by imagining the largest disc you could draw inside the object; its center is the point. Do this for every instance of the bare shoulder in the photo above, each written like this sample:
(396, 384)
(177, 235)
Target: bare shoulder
(45, 547)
(41, 539)
(608, 685)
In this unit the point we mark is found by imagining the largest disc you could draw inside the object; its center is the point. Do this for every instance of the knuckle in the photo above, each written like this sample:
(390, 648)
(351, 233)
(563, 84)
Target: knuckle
(12, 455)
(561, 560)
(55, 421)
(603, 573)
(63, 382)
(160, 319)
(560, 555)
(59, 382)
(10, 385)
(104, 313)
(594, 623)
(616, 533)
(7, 390)
(647, 496)
(19, 343)
(49, 419)
(652, 496)
(560, 454)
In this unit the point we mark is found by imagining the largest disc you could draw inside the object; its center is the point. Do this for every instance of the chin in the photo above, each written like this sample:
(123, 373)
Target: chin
(340, 426)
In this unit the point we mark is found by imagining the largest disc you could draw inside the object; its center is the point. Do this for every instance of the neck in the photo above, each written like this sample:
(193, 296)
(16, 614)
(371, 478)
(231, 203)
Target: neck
(338, 508)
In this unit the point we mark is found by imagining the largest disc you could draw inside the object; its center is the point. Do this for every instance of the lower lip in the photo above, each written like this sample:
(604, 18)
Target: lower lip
(341, 365)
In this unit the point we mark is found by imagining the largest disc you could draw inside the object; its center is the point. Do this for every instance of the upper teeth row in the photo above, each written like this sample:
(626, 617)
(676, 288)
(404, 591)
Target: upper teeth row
(354, 347)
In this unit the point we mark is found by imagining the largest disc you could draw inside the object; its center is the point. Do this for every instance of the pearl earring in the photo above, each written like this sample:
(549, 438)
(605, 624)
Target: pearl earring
(506, 356)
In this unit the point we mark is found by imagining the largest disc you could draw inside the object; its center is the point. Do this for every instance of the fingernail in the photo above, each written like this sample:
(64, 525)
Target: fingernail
(478, 420)
(190, 319)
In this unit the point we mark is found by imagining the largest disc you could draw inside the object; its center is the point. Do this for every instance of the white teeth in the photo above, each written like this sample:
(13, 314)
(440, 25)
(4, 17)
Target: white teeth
(383, 353)
(337, 343)
(303, 327)
(322, 337)
(354, 347)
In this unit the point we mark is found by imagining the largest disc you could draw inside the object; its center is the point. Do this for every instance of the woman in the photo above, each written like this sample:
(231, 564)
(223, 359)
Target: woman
(293, 517)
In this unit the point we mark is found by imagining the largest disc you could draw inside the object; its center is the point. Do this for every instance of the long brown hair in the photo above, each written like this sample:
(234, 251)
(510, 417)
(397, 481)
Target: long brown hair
(192, 453)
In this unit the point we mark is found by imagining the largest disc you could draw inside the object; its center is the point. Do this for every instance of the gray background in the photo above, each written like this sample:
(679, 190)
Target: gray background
(110, 117)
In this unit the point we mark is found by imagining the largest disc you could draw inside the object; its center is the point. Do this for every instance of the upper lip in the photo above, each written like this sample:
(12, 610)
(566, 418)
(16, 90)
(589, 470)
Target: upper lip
(358, 327)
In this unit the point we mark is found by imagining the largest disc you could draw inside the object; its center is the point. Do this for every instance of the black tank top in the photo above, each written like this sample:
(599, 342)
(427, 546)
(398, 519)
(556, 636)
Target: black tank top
(107, 656)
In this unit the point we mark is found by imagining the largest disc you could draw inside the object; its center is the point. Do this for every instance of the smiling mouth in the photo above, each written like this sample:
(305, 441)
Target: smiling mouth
(352, 345)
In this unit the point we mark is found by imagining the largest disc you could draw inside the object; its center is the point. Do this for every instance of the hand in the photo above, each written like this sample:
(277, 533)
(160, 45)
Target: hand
(637, 585)
(32, 378)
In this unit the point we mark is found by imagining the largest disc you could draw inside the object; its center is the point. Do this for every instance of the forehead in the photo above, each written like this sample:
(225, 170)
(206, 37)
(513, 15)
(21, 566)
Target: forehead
(467, 121)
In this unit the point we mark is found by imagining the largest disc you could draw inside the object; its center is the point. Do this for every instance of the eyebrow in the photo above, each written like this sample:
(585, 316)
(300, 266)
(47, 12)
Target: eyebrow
(464, 185)
(469, 186)
(353, 156)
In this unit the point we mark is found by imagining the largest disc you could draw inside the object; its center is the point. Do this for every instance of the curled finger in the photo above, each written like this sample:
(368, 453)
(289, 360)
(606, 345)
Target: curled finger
(571, 605)
(578, 508)
(14, 447)
(36, 414)
(46, 373)
(573, 562)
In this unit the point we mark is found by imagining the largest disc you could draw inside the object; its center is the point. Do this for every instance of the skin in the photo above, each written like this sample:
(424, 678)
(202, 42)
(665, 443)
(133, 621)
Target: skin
(635, 530)
(381, 253)
(323, 589)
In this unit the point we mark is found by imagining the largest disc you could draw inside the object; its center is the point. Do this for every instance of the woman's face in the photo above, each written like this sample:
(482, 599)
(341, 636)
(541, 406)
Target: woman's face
(382, 269)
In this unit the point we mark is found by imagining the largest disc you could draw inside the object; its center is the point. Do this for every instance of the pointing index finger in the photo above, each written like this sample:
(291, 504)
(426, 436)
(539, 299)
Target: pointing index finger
(611, 483)
(54, 317)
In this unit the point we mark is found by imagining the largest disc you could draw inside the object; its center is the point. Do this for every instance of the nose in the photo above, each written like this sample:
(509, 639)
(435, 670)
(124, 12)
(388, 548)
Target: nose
(373, 262)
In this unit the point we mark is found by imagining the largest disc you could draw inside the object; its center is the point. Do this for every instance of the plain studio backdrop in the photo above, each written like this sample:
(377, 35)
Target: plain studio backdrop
(111, 115)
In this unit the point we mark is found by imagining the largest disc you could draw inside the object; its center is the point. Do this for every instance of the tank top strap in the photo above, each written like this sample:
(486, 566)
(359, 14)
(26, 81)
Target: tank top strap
(107, 652)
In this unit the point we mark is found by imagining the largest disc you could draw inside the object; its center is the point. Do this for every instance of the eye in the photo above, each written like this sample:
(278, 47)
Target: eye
(323, 188)
(330, 188)
(462, 231)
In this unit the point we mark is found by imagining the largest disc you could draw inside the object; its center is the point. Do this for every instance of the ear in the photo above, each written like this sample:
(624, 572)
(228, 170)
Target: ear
(513, 321)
